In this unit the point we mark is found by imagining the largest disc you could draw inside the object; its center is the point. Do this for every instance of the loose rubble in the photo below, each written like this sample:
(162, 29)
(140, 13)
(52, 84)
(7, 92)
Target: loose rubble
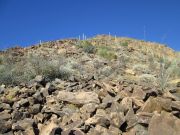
(99, 111)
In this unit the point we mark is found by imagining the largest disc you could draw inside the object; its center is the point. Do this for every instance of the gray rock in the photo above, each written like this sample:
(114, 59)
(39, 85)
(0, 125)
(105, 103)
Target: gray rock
(31, 100)
(23, 124)
(4, 106)
(38, 98)
(4, 116)
(44, 92)
(17, 115)
(5, 126)
(24, 102)
(36, 108)
(39, 79)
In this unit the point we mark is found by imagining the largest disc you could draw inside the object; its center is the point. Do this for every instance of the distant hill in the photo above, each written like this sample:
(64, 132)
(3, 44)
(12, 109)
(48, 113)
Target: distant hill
(103, 85)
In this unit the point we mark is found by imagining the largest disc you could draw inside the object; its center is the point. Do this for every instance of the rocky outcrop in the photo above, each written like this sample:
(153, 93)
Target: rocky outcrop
(53, 108)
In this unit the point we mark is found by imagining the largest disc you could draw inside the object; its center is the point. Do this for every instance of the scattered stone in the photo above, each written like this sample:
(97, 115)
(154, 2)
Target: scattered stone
(138, 93)
(131, 118)
(38, 98)
(48, 128)
(35, 108)
(23, 124)
(5, 126)
(4, 116)
(78, 97)
(17, 115)
(88, 108)
(164, 124)
(117, 119)
(24, 102)
(157, 104)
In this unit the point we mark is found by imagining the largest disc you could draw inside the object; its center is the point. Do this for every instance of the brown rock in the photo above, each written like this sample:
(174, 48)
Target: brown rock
(78, 97)
(144, 118)
(27, 123)
(171, 96)
(164, 124)
(138, 93)
(117, 119)
(47, 128)
(114, 131)
(38, 118)
(131, 118)
(126, 104)
(157, 104)
(100, 118)
(88, 108)
(137, 130)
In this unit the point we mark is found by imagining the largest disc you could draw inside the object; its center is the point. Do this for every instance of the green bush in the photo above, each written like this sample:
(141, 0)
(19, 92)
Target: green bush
(107, 53)
(124, 43)
(86, 46)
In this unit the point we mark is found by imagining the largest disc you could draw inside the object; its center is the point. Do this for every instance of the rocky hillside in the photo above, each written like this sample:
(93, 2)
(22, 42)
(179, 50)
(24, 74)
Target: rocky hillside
(100, 86)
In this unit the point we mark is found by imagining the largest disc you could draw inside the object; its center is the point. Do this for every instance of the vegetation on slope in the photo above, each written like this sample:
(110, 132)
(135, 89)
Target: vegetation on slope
(149, 63)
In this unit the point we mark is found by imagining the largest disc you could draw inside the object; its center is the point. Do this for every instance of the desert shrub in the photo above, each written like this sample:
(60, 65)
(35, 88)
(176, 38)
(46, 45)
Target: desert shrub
(176, 70)
(26, 69)
(86, 46)
(141, 69)
(107, 53)
(166, 70)
(106, 71)
(48, 67)
(124, 43)
(147, 79)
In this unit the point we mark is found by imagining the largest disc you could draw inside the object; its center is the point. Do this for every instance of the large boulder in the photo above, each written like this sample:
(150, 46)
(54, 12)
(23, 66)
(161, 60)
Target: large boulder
(164, 124)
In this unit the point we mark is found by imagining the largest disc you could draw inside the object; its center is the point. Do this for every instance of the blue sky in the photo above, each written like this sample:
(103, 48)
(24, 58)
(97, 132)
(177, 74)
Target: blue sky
(26, 22)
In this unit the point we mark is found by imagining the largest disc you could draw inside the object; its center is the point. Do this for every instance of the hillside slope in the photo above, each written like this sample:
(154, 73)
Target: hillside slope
(100, 86)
